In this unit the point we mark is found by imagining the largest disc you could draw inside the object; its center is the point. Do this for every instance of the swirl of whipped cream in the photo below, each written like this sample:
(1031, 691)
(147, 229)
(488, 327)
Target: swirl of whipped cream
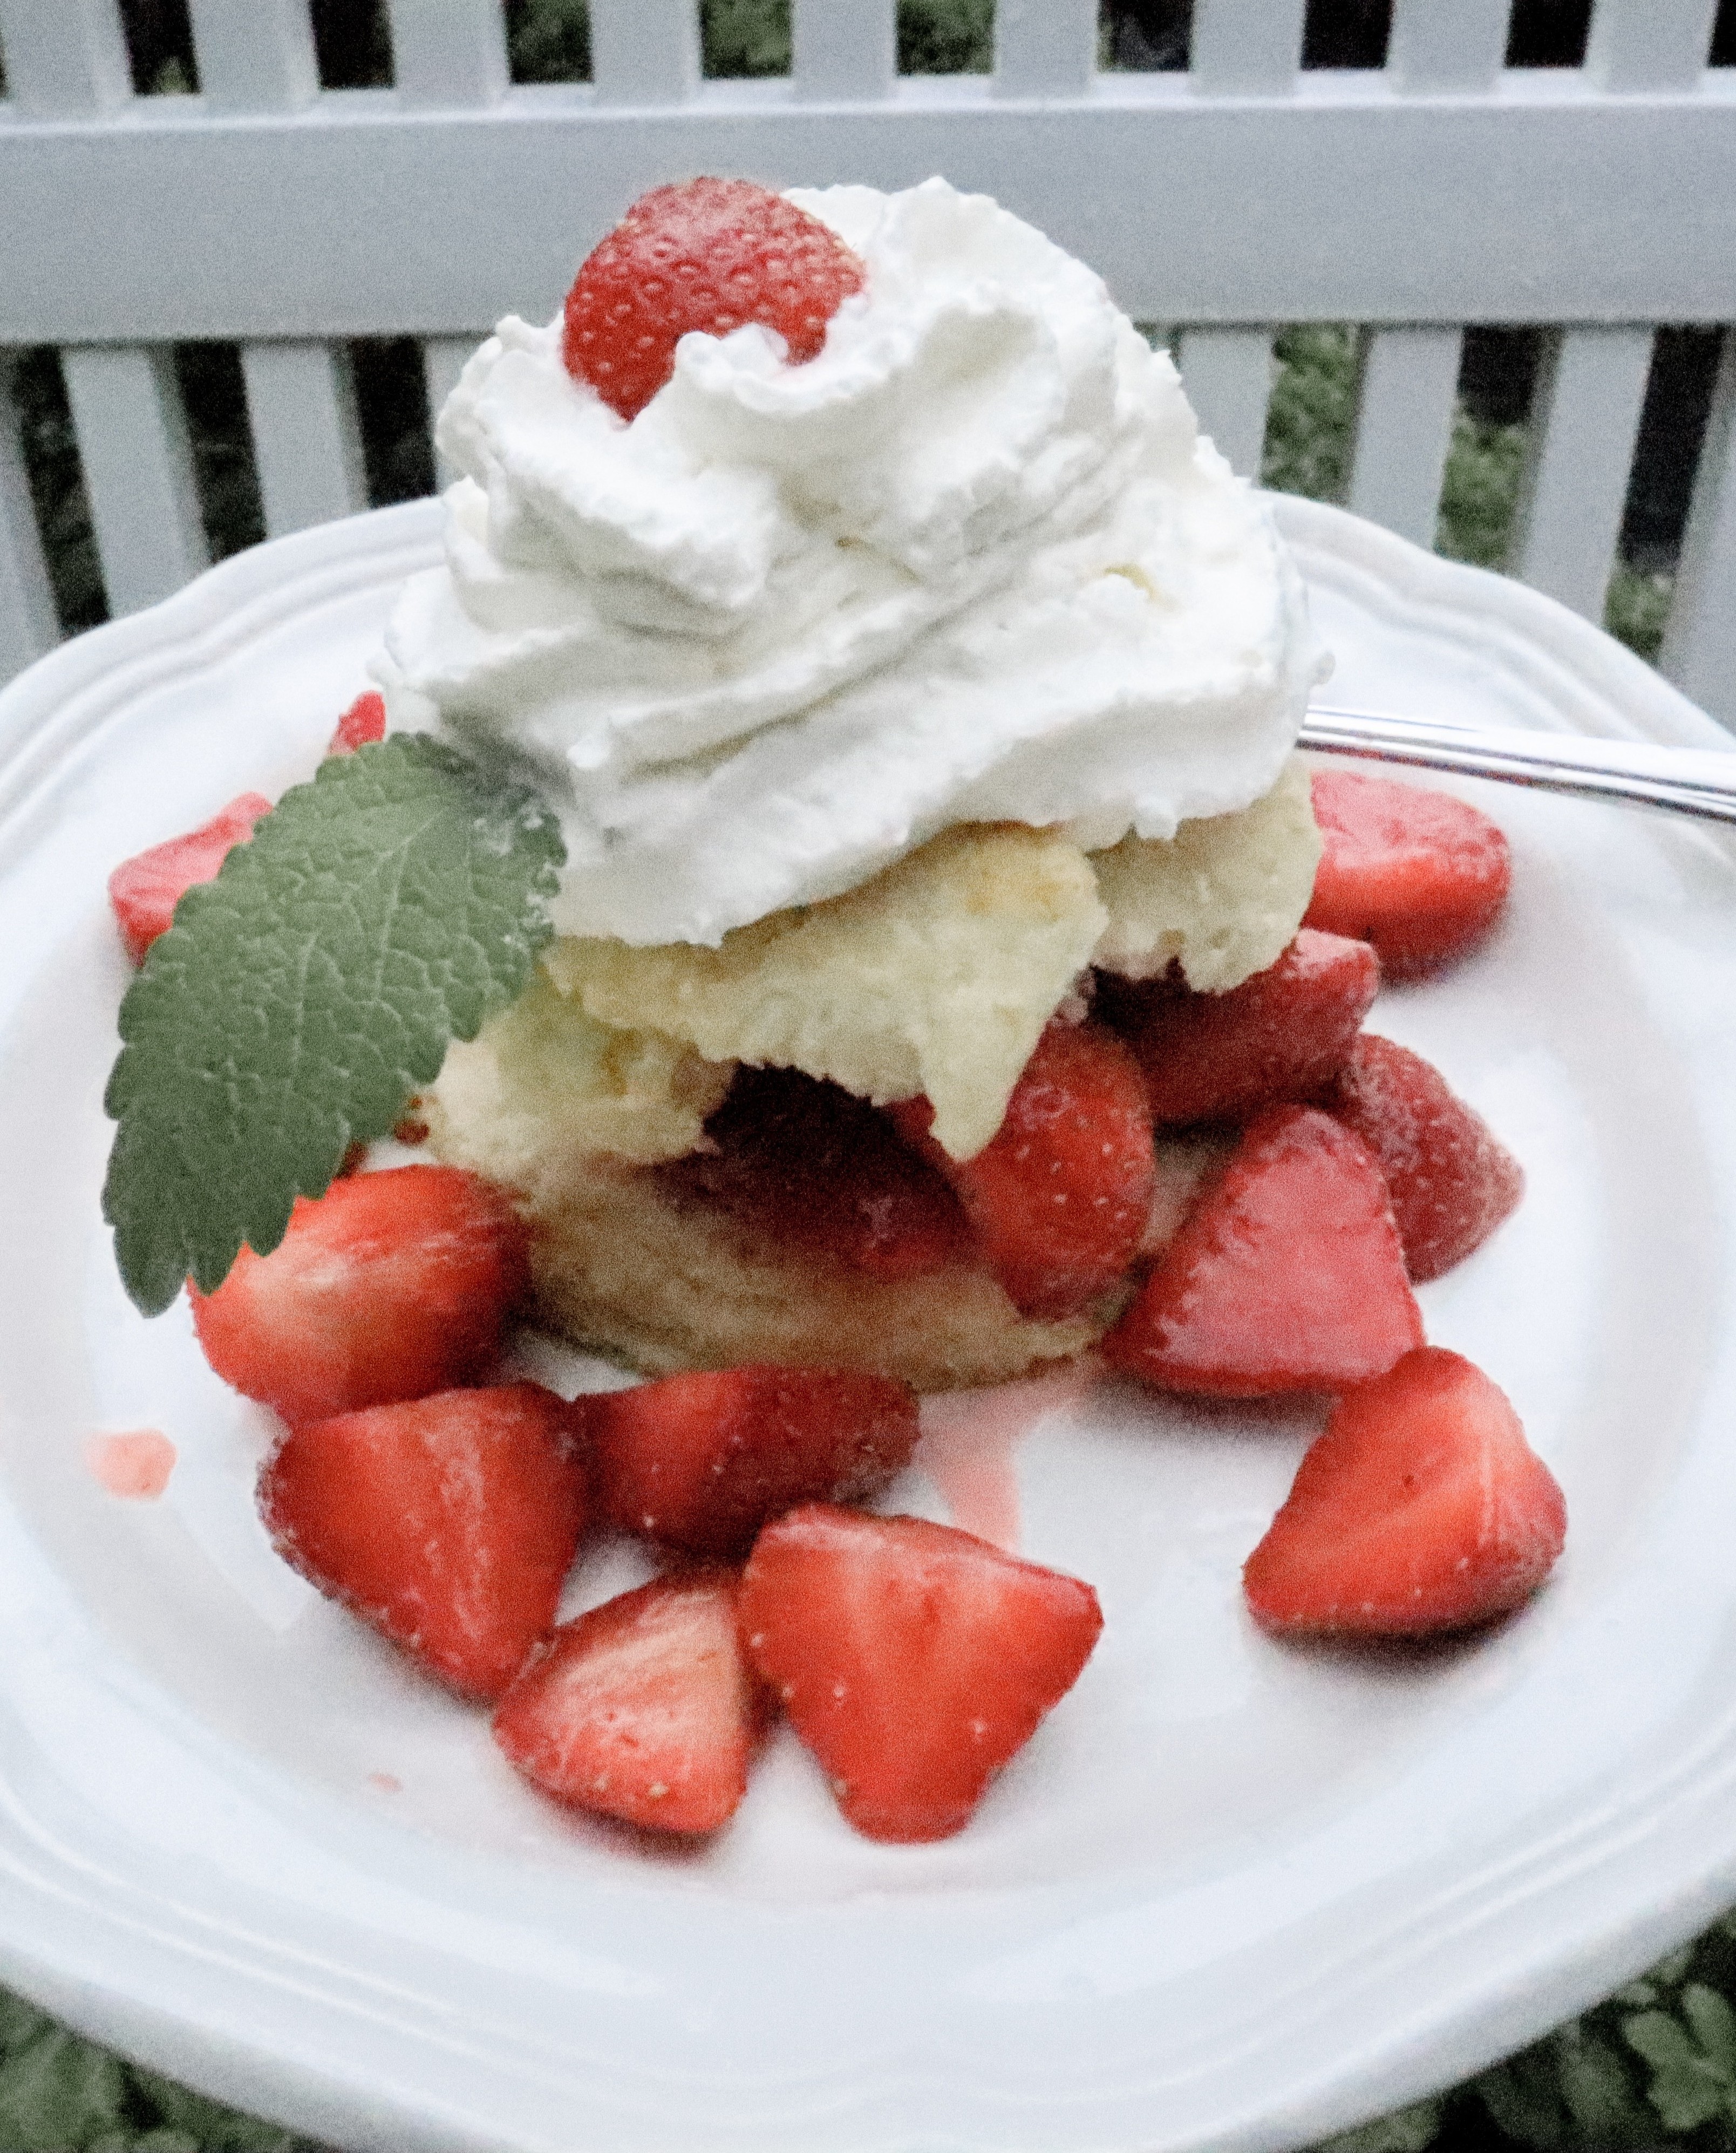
(974, 562)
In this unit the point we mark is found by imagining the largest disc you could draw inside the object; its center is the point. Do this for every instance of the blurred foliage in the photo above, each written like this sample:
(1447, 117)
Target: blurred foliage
(550, 40)
(62, 2095)
(1654, 2067)
(1310, 422)
(1310, 426)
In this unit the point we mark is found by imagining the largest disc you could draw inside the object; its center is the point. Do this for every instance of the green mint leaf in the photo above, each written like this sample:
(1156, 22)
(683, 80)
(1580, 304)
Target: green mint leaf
(376, 915)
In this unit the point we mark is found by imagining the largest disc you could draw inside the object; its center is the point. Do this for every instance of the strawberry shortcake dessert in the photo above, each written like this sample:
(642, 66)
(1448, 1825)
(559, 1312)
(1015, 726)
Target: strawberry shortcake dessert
(826, 877)
(900, 661)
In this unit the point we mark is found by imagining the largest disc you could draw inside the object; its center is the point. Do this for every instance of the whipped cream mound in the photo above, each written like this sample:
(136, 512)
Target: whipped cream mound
(973, 564)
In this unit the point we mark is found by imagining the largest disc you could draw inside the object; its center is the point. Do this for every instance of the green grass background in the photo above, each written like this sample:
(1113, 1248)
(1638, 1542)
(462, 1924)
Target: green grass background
(1655, 2065)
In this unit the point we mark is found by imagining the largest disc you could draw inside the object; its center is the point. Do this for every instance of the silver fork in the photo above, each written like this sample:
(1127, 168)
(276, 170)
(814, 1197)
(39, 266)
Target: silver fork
(1689, 780)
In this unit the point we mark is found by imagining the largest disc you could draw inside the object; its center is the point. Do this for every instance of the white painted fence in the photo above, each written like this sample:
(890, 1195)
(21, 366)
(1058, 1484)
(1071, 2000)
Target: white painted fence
(1440, 191)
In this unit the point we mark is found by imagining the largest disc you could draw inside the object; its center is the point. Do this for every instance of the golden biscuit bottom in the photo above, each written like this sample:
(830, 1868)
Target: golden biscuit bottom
(625, 1262)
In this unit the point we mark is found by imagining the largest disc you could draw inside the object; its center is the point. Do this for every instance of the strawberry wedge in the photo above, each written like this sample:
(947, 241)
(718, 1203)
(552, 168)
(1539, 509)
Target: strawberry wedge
(913, 1661)
(146, 890)
(1287, 1275)
(1282, 1035)
(449, 1523)
(1421, 875)
(807, 1163)
(1058, 1197)
(644, 1709)
(361, 725)
(1421, 1508)
(388, 1286)
(1451, 1179)
(701, 1461)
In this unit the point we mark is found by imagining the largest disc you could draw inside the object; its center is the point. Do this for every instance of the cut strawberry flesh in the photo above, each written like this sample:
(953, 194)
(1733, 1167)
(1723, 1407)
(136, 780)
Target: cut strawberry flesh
(644, 1709)
(1286, 1275)
(1421, 875)
(1421, 1508)
(809, 1164)
(447, 1523)
(913, 1661)
(701, 1461)
(146, 890)
(709, 255)
(1059, 1197)
(1282, 1035)
(391, 1285)
(1451, 1179)
(361, 723)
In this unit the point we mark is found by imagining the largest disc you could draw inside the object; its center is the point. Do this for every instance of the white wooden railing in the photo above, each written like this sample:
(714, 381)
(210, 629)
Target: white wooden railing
(1442, 190)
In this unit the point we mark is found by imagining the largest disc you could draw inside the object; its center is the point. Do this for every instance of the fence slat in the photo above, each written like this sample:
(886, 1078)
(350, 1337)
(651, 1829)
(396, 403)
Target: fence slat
(1699, 644)
(1243, 46)
(645, 52)
(28, 624)
(1228, 376)
(843, 48)
(64, 58)
(1585, 414)
(1045, 48)
(1404, 428)
(1447, 45)
(442, 363)
(307, 442)
(138, 469)
(1199, 209)
(254, 55)
(448, 52)
(1649, 45)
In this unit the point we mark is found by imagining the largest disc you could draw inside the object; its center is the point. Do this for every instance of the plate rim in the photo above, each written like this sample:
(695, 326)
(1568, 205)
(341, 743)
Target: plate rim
(57, 702)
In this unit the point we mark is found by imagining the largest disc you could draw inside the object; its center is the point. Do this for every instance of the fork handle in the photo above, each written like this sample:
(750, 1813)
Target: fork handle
(1686, 781)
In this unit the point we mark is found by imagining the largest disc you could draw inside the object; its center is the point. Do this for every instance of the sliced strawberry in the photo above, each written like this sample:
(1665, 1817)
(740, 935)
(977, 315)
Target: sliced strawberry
(1451, 1179)
(707, 254)
(391, 1285)
(1286, 1275)
(449, 1523)
(701, 1461)
(1419, 874)
(1281, 1034)
(362, 723)
(913, 1661)
(146, 890)
(645, 1708)
(826, 1173)
(1058, 1196)
(1421, 1508)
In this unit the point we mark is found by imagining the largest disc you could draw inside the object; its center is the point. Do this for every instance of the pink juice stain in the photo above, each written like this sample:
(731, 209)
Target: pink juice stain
(969, 1443)
(385, 1783)
(135, 1466)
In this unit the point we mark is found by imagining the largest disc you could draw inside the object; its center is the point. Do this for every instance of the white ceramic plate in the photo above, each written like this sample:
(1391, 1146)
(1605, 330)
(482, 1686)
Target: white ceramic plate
(1232, 1896)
